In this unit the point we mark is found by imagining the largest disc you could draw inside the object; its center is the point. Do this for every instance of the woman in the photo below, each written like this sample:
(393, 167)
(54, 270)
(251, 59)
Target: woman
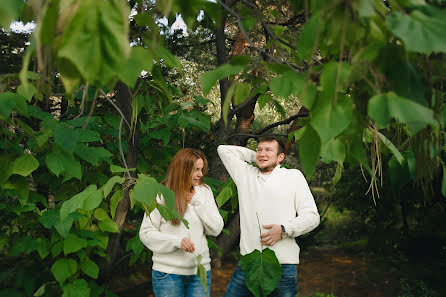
(174, 246)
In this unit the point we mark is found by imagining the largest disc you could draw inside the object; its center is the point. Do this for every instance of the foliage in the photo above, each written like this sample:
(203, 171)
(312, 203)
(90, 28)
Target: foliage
(416, 288)
(263, 271)
(375, 93)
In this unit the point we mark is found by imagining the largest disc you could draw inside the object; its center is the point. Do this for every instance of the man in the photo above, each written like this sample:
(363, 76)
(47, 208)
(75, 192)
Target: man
(272, 196)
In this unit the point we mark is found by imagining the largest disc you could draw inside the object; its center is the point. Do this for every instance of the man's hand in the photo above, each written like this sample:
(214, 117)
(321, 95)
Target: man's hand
(272, 236)
(187, 245)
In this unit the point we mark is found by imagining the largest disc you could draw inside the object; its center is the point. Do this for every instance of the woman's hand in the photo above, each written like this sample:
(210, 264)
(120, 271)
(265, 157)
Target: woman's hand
(187, 245)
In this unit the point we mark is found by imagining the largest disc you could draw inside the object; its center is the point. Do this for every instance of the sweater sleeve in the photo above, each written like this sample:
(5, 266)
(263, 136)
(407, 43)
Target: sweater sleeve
(207, 211)
(155, 240)
(236, 159)
(307, 214)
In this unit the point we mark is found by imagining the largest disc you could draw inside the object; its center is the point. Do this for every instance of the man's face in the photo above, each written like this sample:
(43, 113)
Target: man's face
(267, 157)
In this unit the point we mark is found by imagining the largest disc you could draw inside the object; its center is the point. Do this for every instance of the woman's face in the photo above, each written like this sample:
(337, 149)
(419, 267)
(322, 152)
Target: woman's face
(197, 172)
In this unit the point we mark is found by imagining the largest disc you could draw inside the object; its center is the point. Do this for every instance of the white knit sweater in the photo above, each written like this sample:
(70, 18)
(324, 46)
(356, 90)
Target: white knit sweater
(164, 239)
(275, 200)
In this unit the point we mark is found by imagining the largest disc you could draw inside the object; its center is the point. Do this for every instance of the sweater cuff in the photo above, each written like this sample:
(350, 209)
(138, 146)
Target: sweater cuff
(177, 242)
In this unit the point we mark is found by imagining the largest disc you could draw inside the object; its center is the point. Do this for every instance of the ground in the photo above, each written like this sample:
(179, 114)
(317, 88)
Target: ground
(322, 270)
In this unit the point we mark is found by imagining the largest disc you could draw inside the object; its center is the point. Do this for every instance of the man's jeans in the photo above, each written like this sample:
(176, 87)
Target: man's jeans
(176, 285)
(286, 288)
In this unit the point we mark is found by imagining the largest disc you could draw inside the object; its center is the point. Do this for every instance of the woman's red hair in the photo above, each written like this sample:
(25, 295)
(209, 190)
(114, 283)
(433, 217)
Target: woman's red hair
(179, 177)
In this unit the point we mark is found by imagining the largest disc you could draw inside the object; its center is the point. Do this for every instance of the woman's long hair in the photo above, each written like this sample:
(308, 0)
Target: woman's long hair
(179, 177)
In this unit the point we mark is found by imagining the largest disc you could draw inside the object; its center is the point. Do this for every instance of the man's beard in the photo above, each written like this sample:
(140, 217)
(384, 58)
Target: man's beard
(267, 168)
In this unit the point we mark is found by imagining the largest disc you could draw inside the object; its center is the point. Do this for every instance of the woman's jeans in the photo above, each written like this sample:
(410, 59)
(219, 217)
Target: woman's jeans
(287, 286)
(176, 285)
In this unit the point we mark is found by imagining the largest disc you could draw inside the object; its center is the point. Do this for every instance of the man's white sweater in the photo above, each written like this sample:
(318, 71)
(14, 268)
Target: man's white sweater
(164, 239)
(273, 199)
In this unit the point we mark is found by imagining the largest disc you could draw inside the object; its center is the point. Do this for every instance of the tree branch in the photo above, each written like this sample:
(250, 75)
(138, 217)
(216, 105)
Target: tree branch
(303, 112)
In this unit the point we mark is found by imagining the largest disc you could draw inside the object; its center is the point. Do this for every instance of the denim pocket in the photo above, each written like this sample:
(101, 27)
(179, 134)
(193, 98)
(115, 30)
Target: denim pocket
(158, 275)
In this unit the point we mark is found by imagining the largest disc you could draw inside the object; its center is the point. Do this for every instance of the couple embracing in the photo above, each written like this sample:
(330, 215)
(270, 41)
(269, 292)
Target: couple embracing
(277, 197)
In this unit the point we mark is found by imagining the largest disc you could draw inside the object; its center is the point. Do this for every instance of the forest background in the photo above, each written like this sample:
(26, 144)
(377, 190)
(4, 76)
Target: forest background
(99, 97)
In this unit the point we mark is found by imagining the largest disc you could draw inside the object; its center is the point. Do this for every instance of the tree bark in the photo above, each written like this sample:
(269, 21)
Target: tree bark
(124, 101)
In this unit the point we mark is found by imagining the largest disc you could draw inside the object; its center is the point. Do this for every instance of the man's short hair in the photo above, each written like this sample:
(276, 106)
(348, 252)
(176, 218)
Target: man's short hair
(272, 137)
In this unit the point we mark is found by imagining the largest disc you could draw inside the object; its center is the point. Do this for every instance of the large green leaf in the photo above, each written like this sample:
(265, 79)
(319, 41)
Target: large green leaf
(334, 150)
(73, 244)
(79, 288)
(422, 30)
(145, 190)
(392, 148)
(63, 269)
(90, 268)
(287, 84)
(201, 273)
(95, 41)
(10, 101)
(263, 271)
(106, 189)
(63, 163)
(9, 10)
(88, 199)
(140, 59)
(328, 119)
(383, 107)
(92, 155)
(66, 137)
(108, 225)
(209, 79)
(241, 92)
(333, 78)
(114, 201)
(307, 37)
(309, 148)
(24, 165)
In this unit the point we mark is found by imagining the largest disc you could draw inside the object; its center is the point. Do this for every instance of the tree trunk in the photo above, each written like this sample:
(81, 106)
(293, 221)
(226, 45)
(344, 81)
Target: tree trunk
(124, 102)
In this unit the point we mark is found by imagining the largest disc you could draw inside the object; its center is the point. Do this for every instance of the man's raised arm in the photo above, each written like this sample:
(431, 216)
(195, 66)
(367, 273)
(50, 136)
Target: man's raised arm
(236, 159)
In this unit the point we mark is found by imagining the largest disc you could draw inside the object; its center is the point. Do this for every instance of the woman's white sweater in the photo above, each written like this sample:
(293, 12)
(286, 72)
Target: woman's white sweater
(164, 239)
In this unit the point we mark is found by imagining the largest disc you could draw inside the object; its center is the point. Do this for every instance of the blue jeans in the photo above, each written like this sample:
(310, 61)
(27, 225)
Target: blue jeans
(287, 286)
(176, 285)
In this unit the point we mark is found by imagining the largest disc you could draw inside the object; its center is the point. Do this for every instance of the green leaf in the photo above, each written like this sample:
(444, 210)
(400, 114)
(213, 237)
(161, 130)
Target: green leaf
(73, 244)
(108, 187)
(88, 199)
(338, 173)
(242, 92)
(226, 193)
(25, 244)
(309, 148)
(118, 169)
(140, 59)
(92, 155)
(40, 291)
(399, 174)
(287, 84)
(26, 91)
(382, 108)
(66, 137)
(333, 78)
(90, 268)
(108, 225)
(168, 59)
(209, 79)
(241, 60)
(422, 30)
(392, 148)
(79, 288)
(63, 269)
(146, 190)
(10, 101)
(167, 213)
(95, 41)
(9, 11)
(334, 150)
(134, 244)
(24, 165)
(263, 271)
(114, 201)
(163, 135)
(366, 8)
(43, 247)
(100, 214)
(263, 100)
(88, 135)
(307, 37)
(201, 273)
(330, 120)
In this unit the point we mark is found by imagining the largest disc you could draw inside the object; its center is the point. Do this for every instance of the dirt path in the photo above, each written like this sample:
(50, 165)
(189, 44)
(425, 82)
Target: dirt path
(322, 270)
